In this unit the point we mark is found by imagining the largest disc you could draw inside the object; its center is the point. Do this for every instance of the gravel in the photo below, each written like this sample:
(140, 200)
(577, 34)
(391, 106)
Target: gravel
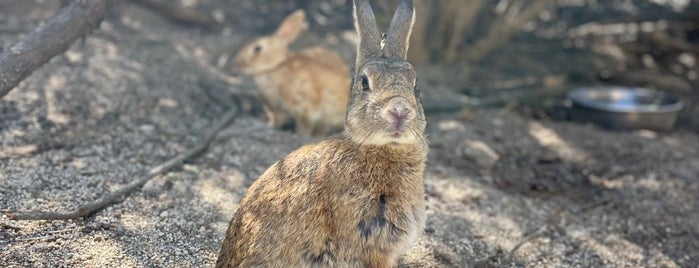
(503, 190)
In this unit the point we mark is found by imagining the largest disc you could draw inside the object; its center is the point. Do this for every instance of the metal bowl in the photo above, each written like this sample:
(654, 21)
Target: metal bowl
(622, 108)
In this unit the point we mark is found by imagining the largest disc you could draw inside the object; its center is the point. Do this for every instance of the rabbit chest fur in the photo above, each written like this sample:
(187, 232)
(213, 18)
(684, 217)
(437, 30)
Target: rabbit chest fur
(332, 204)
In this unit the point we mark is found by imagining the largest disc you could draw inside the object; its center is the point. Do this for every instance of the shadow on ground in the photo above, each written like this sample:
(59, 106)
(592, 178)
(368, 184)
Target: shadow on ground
(503, 190)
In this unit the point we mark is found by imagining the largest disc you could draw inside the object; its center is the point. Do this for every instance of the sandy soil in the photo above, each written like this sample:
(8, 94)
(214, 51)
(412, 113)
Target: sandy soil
(503, 189)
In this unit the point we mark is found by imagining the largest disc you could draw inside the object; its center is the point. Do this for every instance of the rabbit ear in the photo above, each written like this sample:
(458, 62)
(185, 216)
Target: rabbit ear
(368, 32)
(398, 36)
(292, 26)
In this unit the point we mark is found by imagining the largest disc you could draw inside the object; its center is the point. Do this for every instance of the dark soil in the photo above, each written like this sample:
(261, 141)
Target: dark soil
(503, 189)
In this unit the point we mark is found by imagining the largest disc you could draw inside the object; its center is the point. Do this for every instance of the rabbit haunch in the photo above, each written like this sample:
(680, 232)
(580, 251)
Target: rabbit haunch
(356, 200)
(309, 87)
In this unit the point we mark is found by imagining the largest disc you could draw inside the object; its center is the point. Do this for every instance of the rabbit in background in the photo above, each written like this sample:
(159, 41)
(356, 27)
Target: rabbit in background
(357, 199)
(310, 87)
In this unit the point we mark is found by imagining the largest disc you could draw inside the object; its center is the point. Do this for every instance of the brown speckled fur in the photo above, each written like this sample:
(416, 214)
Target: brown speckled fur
(356, 200)
(309, 86)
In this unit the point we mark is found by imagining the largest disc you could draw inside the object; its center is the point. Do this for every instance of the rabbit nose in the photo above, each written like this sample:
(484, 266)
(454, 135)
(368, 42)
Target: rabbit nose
(237, 68)
(398, 111)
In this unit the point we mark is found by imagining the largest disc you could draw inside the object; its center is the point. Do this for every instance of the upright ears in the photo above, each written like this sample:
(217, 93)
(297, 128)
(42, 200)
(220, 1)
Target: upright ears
(292, 26)
(397, 37)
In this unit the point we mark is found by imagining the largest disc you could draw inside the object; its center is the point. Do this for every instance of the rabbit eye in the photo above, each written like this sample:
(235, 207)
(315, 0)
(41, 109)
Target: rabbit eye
(257, 48)
(365, 84)
(418, 93)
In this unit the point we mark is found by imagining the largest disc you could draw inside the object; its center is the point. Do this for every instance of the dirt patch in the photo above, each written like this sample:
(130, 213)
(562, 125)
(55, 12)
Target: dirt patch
(502, 189)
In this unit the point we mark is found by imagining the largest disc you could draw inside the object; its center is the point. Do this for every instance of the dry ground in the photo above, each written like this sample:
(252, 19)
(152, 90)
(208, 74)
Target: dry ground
(503, 189)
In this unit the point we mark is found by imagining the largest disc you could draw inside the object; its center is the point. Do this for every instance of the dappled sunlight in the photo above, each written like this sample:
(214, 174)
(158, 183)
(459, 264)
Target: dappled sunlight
(662, 186)
(105, 253)
(131, 22)
(167, 102)
(616, 183)
(676, 5)
(450, 124)
(135, 222)
(509, 181)
(79, 163)
(548, 138)
(108, 56)
(614, 247)
(55, 83)
(15, 151)
(503, 231)
(651, 183)
(646, 134)
(455, 193)
(15, 179)
(493, 224)
(30, 96)
(672, 141)
(484, 156)
(493, 219)
(202, 58)
(15, 133)
(194, 3)
(592, 244)
(214, 188)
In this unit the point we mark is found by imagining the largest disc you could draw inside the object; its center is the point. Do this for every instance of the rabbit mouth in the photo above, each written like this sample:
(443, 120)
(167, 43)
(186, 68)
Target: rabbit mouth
(397, 128)
(389, 134)
(397, 134)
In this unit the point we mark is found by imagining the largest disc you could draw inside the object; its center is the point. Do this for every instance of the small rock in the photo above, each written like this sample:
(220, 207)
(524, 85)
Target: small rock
(480, 153)
(467, 114)
(648, 134)
(147, 128)
(218, 15)
(548, 157)
(73, 56)
(446, 125)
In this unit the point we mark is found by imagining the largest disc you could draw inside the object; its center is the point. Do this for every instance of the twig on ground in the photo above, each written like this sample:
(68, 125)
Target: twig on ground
(186, 52)
(178, 13)
(604, 201)
(30, 238)
(528, 238)
(46, 235)
(509, 106)
(114, 197)
(49, 40)
(11, 227)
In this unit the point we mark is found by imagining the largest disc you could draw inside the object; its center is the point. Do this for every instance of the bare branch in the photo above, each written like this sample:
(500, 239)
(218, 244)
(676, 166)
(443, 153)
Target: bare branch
(49, 40)
(11, 227)
(508, 26)
(528, 238)
(178, 13)
(114, 197)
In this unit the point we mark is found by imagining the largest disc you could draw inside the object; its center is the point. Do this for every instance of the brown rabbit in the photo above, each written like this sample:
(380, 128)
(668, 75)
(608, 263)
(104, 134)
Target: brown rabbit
(310, 86)
(353, 201)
